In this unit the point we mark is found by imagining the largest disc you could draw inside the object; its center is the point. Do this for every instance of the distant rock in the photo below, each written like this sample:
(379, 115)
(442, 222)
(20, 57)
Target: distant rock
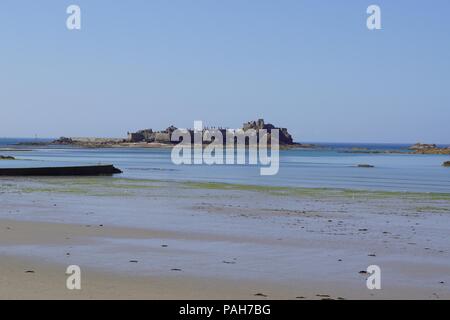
(32, 144)
(423, 146)
(305, 145)
(446, 164)
(63, 141)
(420, 148)
(365, 166)
(7, 158)
(88, 142)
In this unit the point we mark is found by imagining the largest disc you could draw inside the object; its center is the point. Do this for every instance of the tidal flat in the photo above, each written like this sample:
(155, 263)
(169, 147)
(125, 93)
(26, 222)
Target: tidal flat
(91, 186)
(170, 239)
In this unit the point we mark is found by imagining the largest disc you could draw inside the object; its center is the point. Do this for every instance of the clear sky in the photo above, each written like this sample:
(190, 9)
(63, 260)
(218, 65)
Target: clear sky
(311, 66)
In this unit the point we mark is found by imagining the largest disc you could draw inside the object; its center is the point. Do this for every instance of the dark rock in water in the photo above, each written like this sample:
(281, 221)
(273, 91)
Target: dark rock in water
(7, 158)
(446, 164)
(365, 166)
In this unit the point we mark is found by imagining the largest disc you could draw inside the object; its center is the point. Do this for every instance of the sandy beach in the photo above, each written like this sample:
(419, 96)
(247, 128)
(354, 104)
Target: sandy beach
(225, 150)
(150, 239)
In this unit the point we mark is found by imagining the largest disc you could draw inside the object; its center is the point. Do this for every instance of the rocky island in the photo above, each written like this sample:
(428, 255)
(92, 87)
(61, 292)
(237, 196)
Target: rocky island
(421, 148)
(418, 148)
(163, 138)
(88, 142)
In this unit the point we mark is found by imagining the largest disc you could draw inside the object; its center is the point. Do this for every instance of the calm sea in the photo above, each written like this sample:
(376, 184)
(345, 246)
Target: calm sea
(330, 166)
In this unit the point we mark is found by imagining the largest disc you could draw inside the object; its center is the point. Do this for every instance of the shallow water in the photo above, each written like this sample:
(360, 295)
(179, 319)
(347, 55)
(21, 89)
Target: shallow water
(325, 168)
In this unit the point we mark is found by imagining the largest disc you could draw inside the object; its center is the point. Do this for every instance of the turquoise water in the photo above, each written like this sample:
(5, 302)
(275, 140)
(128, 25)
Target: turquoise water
(325, 167)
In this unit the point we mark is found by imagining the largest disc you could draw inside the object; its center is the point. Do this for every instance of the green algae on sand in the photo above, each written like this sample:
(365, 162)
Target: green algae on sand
(318, 192)
(125, 186)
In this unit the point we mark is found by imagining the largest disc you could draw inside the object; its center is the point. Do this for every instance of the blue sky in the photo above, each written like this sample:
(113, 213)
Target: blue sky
(310, 66)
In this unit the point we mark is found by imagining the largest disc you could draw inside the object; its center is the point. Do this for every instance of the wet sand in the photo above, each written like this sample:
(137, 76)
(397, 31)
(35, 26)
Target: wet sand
(31, 279)
(166, 240)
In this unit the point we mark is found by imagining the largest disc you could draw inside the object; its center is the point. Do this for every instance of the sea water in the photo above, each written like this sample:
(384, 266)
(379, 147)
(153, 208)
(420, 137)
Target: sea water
(328, 166)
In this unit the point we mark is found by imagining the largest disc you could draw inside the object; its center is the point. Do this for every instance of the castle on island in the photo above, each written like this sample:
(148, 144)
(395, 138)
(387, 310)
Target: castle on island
(165, 136)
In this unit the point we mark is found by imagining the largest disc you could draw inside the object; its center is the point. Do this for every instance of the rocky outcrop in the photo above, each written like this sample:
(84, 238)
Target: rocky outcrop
(446, 164)
(88, 142)
(63, 141)
(285, 137)
(421, 148)
(7, 158)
